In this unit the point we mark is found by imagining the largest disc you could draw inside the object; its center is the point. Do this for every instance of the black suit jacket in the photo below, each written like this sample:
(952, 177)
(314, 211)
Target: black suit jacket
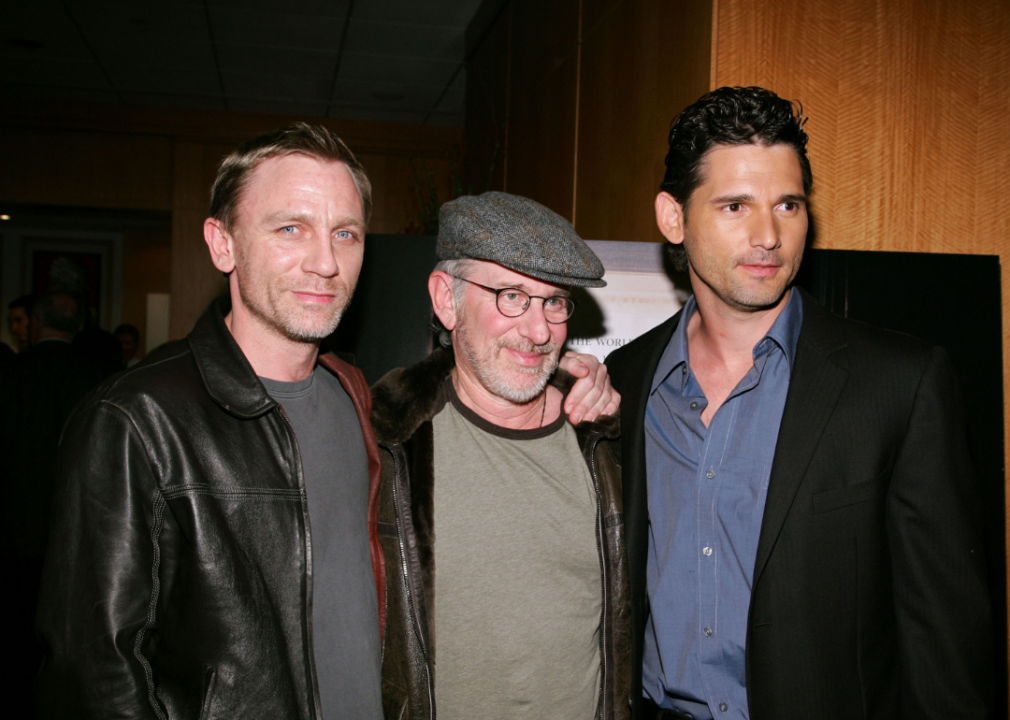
(869, 596)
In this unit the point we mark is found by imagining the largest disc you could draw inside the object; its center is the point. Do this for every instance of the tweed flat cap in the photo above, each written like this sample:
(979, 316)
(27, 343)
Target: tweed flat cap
(519, 234)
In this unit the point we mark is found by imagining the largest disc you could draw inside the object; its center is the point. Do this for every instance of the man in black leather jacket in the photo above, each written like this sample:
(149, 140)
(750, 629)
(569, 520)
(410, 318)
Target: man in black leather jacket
(183, 568)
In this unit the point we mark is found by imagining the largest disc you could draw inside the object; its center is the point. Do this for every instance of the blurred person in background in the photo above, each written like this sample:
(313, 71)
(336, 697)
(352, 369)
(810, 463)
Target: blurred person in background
(129, 340)
(37, 393)
(19, 313)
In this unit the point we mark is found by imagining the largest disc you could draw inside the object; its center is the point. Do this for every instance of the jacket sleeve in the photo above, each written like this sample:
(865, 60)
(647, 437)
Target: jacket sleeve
(97, 610)
(934, 524)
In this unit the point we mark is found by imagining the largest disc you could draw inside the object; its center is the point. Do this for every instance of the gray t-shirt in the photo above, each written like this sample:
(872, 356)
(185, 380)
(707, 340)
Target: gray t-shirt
(345, 613)
(517, 571)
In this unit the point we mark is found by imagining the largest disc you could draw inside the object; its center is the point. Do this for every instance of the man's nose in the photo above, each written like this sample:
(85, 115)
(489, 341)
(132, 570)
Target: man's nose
(320, 259)
(764, 230)
(534, 325)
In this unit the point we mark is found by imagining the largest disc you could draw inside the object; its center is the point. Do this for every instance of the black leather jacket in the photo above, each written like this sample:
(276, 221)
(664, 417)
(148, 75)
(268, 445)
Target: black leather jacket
(404, 404)
(179, 580)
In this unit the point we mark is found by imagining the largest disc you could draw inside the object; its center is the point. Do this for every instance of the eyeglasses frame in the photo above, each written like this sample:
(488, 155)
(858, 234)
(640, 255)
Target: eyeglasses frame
(497, 294)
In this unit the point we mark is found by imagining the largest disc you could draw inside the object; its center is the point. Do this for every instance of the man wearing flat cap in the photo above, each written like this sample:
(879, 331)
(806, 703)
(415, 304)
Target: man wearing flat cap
(520, 608)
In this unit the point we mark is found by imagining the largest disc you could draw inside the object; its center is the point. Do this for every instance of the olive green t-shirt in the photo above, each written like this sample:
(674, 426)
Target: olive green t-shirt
(517, 571)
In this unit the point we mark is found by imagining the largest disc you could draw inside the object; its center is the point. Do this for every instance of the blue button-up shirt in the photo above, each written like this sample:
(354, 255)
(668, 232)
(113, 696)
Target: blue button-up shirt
(707, 490)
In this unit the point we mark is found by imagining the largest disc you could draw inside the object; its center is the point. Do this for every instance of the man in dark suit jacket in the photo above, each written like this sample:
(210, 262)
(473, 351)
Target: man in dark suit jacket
(803, 526)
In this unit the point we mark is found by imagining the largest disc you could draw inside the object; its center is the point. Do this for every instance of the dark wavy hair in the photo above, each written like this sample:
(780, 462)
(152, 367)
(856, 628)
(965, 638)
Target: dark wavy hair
(729, 116)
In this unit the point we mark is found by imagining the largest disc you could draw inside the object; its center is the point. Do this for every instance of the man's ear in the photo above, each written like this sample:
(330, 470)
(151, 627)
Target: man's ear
(440, 289)
(670, 217)
(220, 244)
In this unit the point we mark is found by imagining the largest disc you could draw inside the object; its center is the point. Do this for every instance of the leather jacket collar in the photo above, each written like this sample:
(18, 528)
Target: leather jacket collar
(229, 378)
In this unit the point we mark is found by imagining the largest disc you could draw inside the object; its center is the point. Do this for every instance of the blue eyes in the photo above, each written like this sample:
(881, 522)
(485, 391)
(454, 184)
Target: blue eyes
(291, 230)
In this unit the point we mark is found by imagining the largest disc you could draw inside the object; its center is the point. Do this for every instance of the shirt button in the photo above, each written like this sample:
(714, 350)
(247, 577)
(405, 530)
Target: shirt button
(708, 632)
(723, 707)
(707, 551)
(694, 406)
(710, 474)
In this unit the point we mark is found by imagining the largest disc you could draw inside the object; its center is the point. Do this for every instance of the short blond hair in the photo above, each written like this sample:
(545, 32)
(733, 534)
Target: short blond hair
(300, 138)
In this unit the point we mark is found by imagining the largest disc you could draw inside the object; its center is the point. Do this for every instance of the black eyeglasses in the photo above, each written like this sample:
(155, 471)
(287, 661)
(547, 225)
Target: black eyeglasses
(513, 302)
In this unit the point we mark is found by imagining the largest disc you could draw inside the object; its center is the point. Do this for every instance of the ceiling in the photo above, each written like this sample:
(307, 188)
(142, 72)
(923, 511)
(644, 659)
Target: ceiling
(382, 60)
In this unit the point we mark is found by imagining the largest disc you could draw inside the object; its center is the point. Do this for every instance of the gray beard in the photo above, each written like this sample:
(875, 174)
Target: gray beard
(498, 385)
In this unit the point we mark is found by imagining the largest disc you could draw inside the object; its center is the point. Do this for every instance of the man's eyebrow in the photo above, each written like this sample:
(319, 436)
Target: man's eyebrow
(729, 199)
(283, 217)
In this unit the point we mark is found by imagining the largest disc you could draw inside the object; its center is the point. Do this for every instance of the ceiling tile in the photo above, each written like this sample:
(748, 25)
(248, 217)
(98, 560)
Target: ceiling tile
(253, 59)
(57, 94)
(276, 86)
(40, 28)
(148, 34)
(389, 68)
(155, 99)
(269, 56)
(251, 105)
(387, 96)
(316, 8)
(157, 80)
(448, 119)
(376, 115)
(54, 72)
(276, 29)
(405, 40)
(451, 13)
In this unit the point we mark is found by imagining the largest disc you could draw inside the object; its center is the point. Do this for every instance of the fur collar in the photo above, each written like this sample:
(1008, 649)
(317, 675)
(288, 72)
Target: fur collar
(407, 397)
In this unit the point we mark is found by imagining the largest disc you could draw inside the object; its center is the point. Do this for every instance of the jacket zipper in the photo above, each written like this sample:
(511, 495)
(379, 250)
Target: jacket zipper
(314, 681)
(600, 539)
(415, 625)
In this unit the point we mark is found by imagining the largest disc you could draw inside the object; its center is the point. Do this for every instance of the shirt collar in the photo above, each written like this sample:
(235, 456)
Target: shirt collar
(675, 354)
(784, 332)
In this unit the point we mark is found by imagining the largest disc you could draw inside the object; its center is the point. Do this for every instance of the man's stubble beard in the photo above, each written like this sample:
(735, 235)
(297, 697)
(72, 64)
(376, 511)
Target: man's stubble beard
(293, 322)
(738, 295)
(483, 366)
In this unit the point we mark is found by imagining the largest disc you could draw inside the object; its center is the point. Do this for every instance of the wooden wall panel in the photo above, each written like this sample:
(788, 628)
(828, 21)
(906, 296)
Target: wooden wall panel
(487, 99)
(84, 168)
(398, 183)
(630, 90)
(892, 90)
(542, 107)
(195, 280)
(147, 261)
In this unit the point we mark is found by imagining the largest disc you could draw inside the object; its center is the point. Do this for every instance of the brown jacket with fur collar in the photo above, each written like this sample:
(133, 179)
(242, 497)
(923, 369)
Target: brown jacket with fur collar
(403, 405)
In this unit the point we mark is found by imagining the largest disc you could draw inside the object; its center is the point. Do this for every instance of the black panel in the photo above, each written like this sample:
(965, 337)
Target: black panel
(952, 301)
(387, 324)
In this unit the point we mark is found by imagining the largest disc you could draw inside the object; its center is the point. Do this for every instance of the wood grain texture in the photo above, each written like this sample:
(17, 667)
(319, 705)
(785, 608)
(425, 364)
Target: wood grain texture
(909, 114)
(218, 126)
(194, 281)
(642, 62)
(487, 98)
(85, 168)
(541, 124)
(147, 268)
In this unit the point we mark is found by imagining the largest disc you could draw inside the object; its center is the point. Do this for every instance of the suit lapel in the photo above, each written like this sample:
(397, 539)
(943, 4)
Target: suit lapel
(814, 388)
(632, 370)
